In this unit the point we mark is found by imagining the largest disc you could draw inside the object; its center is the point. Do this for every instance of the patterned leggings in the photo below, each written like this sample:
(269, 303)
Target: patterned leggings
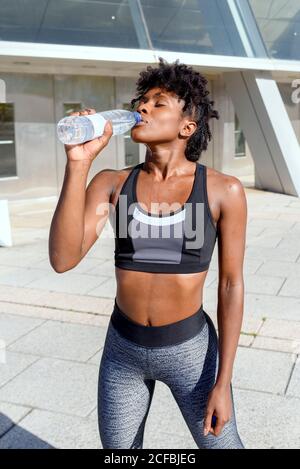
(135, 356)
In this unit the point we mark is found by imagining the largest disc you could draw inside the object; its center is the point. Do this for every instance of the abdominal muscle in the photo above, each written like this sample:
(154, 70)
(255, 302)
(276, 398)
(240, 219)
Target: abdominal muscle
(155, 299)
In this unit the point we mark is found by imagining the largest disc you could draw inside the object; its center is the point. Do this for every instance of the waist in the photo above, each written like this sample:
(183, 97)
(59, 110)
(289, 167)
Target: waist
(158, 336)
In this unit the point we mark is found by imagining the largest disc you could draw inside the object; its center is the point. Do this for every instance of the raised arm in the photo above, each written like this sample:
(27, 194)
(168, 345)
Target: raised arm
(77, 221)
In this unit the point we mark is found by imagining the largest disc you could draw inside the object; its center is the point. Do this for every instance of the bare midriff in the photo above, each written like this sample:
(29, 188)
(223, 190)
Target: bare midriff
(157, 299)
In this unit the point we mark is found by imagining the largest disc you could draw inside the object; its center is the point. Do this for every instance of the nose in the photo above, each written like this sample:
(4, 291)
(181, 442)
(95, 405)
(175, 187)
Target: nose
(142, 108)
(143, 112)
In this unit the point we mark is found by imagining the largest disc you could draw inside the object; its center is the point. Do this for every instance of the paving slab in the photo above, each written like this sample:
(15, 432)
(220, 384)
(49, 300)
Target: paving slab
(68, 282)
(12, 364)
(262, 370)
(45, 430)
(13, 327)
(51, 384)
(10, 415)
(57, 339)
(264, 420)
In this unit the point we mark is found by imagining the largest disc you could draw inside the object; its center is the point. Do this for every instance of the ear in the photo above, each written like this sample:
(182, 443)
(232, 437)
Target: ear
(188, 128)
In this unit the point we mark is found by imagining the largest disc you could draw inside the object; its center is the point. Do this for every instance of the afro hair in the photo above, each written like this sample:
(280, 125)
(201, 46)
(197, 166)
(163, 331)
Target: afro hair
(189, 85)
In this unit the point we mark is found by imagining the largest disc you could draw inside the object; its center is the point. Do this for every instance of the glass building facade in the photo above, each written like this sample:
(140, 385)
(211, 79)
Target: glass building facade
(194, 26)
(279, 24)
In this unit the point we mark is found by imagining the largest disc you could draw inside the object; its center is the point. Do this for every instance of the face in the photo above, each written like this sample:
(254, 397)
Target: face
(162, 118)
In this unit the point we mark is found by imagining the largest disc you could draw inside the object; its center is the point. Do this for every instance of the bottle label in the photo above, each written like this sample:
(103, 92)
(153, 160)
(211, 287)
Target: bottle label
(98, 122)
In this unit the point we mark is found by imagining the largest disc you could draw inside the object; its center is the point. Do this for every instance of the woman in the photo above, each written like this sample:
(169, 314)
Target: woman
(158, 329)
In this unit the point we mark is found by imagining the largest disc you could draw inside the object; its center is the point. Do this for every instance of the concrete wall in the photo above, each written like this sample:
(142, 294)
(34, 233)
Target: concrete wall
(224, 147)
(38, 103)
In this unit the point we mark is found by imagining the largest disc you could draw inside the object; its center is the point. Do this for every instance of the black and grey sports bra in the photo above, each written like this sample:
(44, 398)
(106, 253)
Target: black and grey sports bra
(181, 241)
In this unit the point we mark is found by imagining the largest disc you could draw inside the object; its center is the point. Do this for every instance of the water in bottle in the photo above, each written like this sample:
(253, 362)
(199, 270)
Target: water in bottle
(72, 130)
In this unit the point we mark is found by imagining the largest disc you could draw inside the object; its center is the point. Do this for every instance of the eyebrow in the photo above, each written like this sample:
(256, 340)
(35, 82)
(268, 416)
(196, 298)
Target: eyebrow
(159, 93)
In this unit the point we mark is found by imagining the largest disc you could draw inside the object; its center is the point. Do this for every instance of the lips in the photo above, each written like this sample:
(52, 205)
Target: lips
(143, 119)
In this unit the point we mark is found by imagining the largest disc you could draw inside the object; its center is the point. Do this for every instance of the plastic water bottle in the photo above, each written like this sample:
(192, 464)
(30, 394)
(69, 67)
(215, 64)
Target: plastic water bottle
(72, 130)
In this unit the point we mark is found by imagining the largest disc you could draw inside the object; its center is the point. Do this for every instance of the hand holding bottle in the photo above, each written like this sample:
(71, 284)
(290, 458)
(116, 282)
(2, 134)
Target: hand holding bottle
(90, 149)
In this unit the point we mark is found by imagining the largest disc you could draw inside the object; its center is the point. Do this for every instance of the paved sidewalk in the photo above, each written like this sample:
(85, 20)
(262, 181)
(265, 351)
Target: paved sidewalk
(52, 329)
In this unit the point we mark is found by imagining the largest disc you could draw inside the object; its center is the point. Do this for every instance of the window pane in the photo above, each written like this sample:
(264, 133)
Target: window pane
(8, 165)
(85, 22)
(279, 24)
(196, 26)
(240, 149)
(240, 144)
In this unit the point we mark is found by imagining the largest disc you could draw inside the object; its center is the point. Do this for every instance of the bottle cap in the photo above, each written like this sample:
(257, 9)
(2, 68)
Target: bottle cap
(137, 117)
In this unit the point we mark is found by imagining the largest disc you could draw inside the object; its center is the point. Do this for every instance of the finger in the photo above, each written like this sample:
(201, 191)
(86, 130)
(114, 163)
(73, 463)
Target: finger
(107, 133)
(207, 422)
(87, 110)
(108, 129)
(218, 428)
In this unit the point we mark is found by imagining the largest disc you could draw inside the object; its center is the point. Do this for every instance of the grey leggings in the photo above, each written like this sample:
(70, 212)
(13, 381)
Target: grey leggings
(128, 371)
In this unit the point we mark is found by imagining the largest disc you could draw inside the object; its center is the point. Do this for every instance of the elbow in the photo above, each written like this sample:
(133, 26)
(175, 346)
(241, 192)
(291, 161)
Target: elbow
(228, 283)
(54, 262)
(59, 270)
(59, 267)
(60, 263)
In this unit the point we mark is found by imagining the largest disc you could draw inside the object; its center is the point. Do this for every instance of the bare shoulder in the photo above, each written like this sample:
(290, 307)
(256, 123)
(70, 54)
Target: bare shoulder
(226, 194)
(111, 178)
(225, 185)
(233, 191)
(120, 176)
